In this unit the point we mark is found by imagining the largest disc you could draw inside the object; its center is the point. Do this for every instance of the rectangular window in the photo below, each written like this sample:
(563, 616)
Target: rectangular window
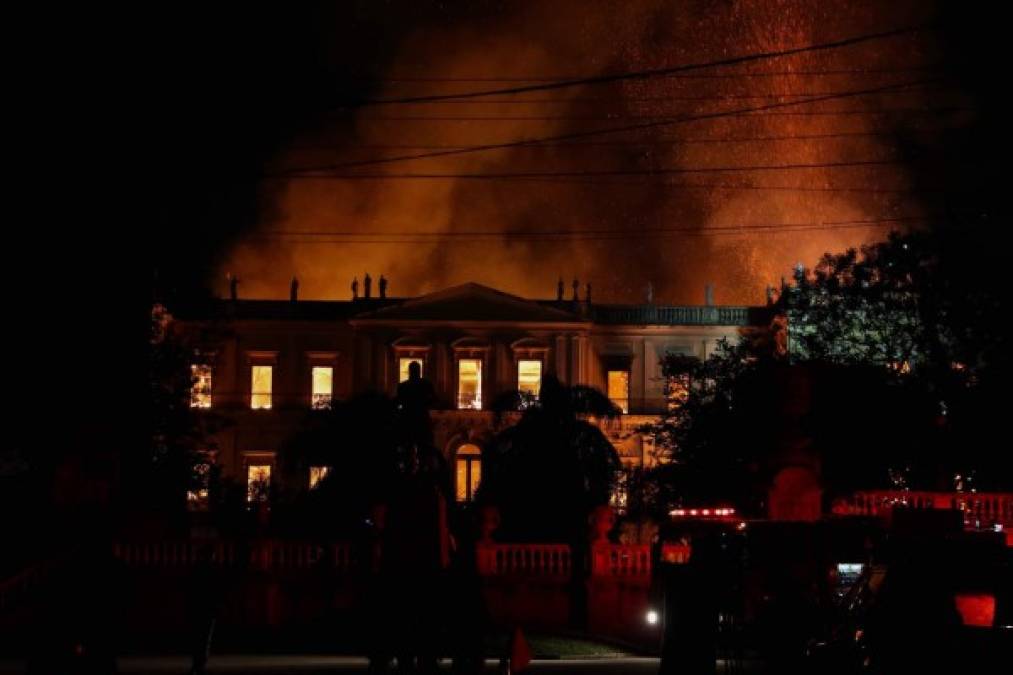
(200, 386)
(619, 388)
(469, 384)
(261, 384)
(258, 482)
(323, 386)
(198, 496)
(404, 363)
(529, 377)
(317, 474)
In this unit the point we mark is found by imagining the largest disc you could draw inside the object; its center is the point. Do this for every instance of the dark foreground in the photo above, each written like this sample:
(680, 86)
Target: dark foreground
(281, 665)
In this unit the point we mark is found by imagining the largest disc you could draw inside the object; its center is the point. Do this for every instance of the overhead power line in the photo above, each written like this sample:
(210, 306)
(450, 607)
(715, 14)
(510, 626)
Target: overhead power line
(649, 73)
(577, 135)
(407, 236)
(663, 171)
(618, 116)
(632, 143)
(688, 76)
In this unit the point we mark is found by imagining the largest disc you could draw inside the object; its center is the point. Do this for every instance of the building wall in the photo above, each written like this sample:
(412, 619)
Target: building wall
(364, 356)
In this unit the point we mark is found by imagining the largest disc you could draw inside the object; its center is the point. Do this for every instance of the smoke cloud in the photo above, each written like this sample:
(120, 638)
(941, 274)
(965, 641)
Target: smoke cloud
(567, 39)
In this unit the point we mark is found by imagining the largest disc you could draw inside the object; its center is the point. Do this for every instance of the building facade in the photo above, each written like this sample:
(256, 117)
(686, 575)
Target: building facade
(272, 361)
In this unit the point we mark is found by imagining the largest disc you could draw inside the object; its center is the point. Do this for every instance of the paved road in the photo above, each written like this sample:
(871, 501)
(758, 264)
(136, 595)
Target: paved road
(304, 665)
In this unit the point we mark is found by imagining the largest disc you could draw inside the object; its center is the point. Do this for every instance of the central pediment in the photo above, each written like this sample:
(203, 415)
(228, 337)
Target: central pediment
(470, 302)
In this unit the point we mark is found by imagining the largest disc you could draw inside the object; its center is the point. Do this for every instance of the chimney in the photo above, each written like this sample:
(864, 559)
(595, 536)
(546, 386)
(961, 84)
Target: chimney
(708, 295)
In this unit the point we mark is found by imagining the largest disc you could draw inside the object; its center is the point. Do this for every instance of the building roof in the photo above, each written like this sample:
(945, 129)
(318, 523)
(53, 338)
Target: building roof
(472, 302)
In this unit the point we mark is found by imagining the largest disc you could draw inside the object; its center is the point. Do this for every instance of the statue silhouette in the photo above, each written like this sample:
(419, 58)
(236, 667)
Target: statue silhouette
(293, 290)
(559, 290)
(382, 286)
(367, 285)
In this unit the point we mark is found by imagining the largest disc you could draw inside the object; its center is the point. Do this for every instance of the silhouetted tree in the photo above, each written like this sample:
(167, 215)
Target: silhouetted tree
(181, 435)
(550, 469)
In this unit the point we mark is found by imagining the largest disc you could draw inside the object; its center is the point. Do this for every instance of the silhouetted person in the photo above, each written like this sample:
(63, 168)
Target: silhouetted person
(469, 617)
(293, 290)
(415, 397)
(559, 290)
(382, 286)
(233, 287)
(416, 558)
(367, 286)
(355, 288)
(203, 609)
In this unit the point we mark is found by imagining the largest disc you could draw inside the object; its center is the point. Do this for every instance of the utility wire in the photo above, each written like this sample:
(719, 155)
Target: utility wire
(408, 236)
(693, 76)
(630, 143)
(649, 73)
(588, 174)
(576, 135)
(627, 116)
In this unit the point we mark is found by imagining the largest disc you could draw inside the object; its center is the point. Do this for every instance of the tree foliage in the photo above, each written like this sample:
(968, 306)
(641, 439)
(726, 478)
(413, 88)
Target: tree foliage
(548, 471)
(905, 356)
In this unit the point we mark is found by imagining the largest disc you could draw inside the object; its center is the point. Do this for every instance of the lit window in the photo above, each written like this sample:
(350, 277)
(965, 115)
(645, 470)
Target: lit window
(468, 472)
(198, 497)
(200, 387)
(619, 388)
(261, 384)
(529, 377)
(678, 391)
(469, 384)
(323, 386)
(405, 362)
(258, 482)
(317, 474)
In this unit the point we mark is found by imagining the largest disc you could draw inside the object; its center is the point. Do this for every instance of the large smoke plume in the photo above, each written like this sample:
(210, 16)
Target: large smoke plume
(562, 39)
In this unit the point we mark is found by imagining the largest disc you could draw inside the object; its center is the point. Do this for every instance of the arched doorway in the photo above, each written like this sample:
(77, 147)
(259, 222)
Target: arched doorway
(467, 472)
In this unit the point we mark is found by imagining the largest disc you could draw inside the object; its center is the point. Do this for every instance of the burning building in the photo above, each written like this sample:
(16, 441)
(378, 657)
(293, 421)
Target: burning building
(278, 360)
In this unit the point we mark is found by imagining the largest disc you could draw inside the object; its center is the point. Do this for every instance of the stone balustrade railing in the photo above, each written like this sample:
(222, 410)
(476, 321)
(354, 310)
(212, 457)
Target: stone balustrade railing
(621, 560)
(981, 509)
(265, 555)
(542, 560)
(493, 559)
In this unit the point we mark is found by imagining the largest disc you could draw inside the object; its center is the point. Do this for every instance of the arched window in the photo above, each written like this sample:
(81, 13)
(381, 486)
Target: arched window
(468, 471)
